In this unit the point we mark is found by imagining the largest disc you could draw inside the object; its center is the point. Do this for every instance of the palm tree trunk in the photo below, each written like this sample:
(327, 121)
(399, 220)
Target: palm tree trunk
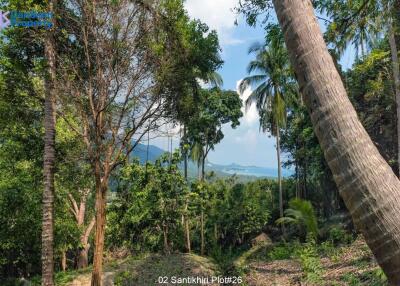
(278, 154)
(367, 184)
(396, 77)
(49, 161)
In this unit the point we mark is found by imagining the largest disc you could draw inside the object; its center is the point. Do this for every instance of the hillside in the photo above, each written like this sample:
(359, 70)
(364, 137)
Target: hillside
(244, 173)
(151, 269)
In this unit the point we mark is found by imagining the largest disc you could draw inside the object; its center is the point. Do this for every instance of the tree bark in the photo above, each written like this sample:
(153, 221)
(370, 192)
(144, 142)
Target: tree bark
(83, 253)
(64, 260)
(202, 247)
(396, 77)
(367, 184)
(101, 200)
(202, 167)
(185, 216)
(187, 227)
(185, 154)
(49, 160)
(278, 154)
(165, 234)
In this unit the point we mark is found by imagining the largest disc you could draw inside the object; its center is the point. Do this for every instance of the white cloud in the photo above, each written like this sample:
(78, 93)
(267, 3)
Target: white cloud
(218, 15)
(249, 139)
(251, 114)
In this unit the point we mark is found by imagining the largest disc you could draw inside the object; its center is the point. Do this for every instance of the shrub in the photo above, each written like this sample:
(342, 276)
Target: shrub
(301, 213)
(310, 262)
(284, 251)
(338, 235)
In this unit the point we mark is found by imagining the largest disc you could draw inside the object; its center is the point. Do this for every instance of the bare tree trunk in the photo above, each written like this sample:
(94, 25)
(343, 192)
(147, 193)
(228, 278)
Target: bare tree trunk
(83, 253)
(187, 227)
(202, 247)
(165, 234)
(366, 182)
(49, 161)
(64, 260)
(185, 155)
(202, 167)
(101, 200)
(186, 217)
(79, 213)
(396, 77)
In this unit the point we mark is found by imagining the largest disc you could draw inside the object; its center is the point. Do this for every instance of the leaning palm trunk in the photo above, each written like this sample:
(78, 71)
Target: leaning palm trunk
(367, 184)
(49, 162)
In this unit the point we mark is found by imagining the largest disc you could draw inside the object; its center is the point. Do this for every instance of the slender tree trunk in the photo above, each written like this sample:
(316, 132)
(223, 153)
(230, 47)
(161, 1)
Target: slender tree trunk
(296, 173)
(185, 155)
(187, 231)
(396, 77)
(366, 182)
(83, 252)
(165, 234)
(202, 168)
(101, 200)
(64, 260)
(202, 250)
(278, 154)
(49, 160)
(202, 247)
(185, 217)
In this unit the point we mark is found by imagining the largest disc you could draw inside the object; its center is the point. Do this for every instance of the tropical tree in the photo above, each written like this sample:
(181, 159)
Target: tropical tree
(370, 189)
(274, 86)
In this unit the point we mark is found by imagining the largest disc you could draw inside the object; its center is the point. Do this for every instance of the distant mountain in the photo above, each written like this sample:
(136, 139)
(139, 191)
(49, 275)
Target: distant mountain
(140, 152)
(221, 170)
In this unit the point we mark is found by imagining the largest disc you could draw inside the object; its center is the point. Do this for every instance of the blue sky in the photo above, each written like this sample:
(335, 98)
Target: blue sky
(244, 145)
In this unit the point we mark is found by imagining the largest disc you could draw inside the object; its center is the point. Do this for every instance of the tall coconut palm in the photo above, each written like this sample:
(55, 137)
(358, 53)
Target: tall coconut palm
(367, 184)
(271, 76)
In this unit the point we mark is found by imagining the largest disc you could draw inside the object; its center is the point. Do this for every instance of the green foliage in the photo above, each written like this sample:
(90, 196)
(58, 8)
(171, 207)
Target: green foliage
(370, 87)
(149, 198)
(284, 251)
(338, 235)
(310, 262)
(301, 213)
